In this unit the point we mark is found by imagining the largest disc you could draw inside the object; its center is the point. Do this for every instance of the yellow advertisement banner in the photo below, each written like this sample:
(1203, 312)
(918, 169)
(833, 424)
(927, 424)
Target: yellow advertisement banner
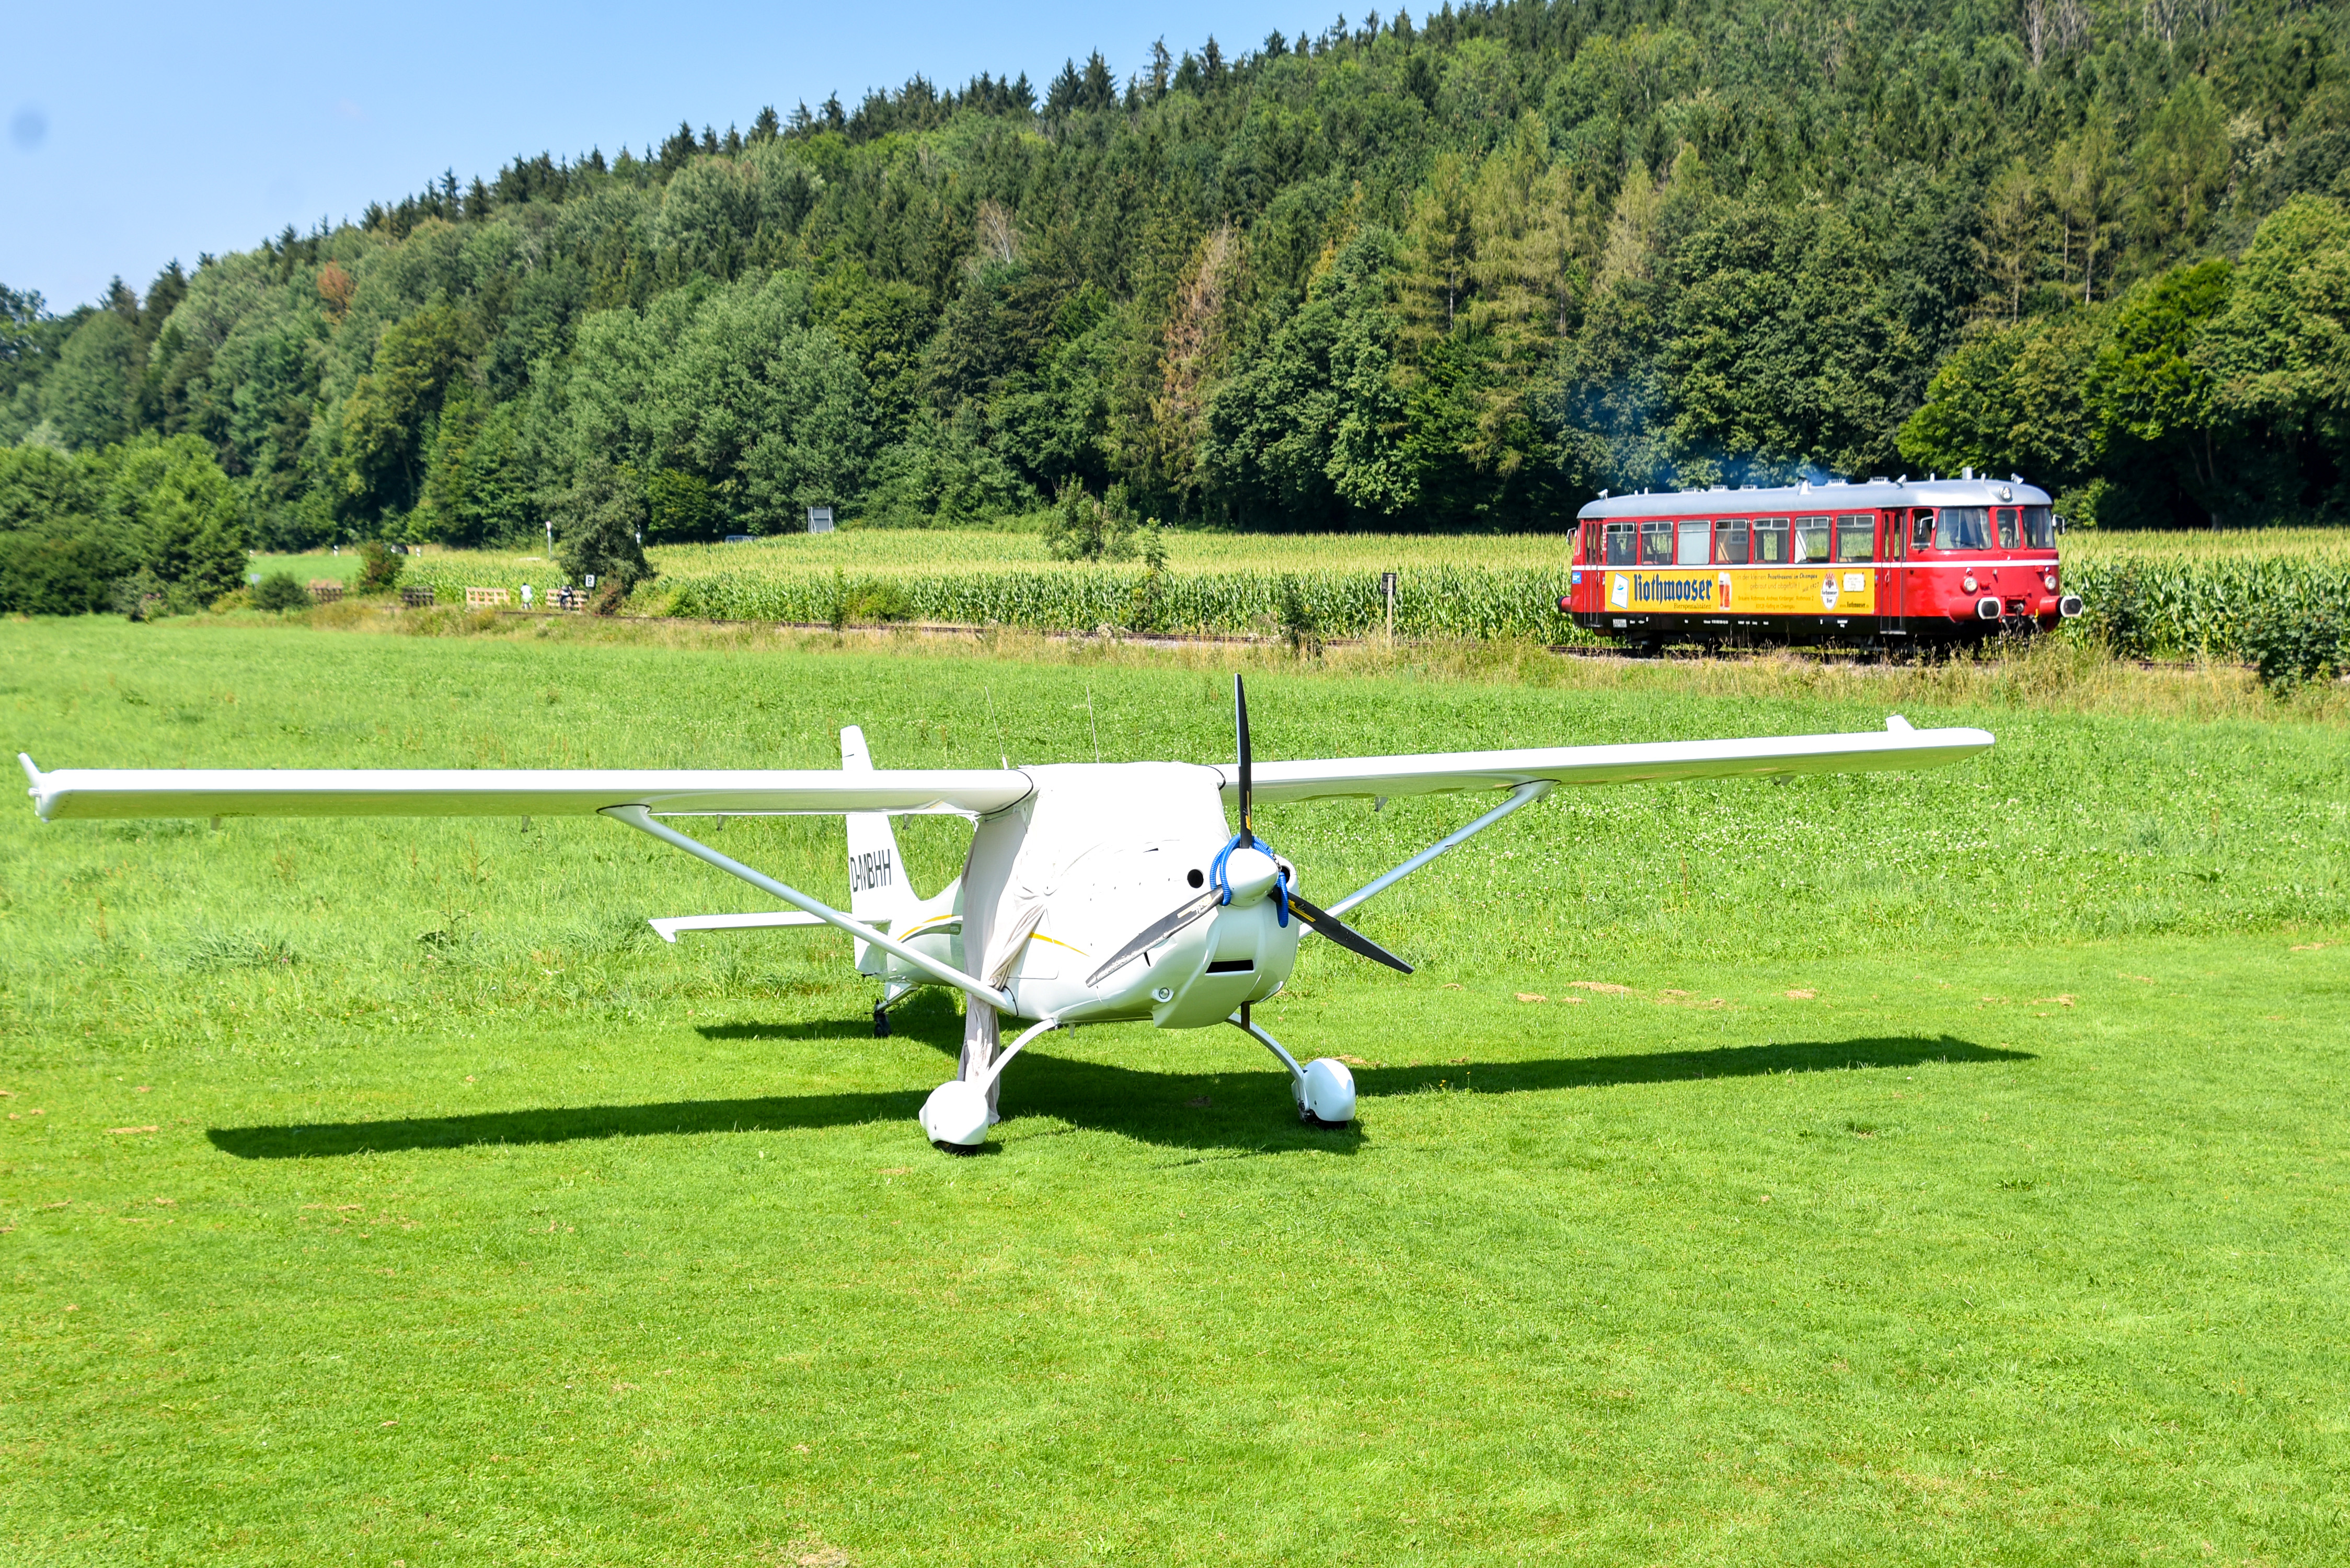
(1822, 589)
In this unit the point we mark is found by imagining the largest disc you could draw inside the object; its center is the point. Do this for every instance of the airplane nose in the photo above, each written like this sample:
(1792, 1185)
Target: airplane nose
(1251, 874)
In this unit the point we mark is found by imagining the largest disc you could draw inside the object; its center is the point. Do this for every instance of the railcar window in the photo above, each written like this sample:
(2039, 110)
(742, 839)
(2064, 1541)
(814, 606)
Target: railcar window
(1622, 543)
(2007, 534)
(2040, 527)
(1811, 535)
(1855, 537)
(1897, 543)
(1962, 528)
(1770, 541)
(1695, 541)
(1730, 542)
(1656, 543)
(1921, 529)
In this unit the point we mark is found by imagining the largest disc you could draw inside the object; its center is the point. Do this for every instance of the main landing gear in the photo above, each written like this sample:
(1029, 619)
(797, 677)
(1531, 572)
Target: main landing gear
(956, 1116)
(896, 994)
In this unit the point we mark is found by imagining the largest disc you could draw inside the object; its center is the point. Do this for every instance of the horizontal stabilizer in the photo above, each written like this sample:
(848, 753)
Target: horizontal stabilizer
(670, 925)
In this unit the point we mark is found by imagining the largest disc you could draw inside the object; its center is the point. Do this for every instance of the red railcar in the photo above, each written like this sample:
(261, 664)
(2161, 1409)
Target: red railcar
(1894, 560)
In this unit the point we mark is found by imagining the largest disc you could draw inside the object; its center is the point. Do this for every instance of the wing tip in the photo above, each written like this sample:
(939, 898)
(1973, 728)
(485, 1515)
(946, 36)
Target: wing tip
(36, 785)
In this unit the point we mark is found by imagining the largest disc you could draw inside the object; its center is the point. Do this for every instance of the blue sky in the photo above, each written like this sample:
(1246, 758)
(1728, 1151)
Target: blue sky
(135, 133)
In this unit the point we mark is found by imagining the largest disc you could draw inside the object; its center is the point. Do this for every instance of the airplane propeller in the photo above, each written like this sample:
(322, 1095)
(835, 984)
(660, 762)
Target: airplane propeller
(1221, 888)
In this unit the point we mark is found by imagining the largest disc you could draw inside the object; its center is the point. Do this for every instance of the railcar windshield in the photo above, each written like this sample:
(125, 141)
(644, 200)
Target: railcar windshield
(1770, 541)
(1812, 538)
(2040, 527)
(1962, 528)
(1622, 543)
(1730, 542)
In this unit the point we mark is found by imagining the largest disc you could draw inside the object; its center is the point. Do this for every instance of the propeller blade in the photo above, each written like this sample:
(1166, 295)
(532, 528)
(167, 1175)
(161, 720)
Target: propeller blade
(1157, 931)
(1330, 925)
(1239, 726)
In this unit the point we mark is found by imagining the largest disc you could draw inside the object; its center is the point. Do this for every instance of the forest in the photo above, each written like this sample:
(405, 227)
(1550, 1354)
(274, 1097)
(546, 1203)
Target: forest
(1453, 273)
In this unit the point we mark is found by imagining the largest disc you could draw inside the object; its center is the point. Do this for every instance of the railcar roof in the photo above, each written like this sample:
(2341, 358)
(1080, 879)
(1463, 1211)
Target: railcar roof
(1816, 498)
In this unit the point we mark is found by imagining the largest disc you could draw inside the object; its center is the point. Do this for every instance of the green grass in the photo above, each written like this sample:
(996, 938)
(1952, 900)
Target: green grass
(479, 1226)
(315, 564)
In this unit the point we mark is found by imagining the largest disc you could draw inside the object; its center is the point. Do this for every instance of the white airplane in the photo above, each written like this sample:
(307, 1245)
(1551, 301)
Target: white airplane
(1093, 893)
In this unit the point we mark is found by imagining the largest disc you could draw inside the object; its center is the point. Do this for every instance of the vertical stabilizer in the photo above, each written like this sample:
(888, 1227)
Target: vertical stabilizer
(878, 893)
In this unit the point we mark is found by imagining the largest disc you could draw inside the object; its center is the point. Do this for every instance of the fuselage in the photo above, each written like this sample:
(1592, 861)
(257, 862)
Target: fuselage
(1056, 885)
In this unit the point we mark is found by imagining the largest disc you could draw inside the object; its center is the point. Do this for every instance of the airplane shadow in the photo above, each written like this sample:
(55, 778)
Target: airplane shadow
(1232, 1110)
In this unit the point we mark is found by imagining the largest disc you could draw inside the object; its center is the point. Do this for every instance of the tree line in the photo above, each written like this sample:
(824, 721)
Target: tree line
(1461, 272)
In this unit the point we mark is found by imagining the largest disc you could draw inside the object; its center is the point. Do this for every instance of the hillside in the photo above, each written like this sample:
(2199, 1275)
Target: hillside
(1457, 272)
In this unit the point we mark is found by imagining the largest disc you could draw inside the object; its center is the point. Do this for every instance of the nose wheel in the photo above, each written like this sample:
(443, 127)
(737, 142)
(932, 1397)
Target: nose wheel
(1324, 1088)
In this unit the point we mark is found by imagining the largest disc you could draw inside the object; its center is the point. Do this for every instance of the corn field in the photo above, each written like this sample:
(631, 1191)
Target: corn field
(1458, 602)
(2146, 595)
(2150, 605)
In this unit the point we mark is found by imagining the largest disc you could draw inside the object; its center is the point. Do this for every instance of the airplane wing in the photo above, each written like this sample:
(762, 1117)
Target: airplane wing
(69, 792)
(1898, 746)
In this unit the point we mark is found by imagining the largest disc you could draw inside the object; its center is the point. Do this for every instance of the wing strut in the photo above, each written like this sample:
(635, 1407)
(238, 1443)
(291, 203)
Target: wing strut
(638, 817)
(1524, 794)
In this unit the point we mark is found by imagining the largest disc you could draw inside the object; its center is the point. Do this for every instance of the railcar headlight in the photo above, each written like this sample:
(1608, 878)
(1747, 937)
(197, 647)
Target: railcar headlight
(2049, 579)
(1968, 582)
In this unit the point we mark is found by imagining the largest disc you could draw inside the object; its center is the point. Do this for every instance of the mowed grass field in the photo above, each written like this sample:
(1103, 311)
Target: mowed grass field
(1928, 1168)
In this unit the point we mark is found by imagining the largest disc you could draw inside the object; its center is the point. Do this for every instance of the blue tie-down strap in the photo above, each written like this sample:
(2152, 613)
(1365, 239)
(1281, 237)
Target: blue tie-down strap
(1222, 877)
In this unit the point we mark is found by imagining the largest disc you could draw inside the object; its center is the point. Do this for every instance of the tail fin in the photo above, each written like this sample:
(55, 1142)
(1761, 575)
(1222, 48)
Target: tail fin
(878, 889)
